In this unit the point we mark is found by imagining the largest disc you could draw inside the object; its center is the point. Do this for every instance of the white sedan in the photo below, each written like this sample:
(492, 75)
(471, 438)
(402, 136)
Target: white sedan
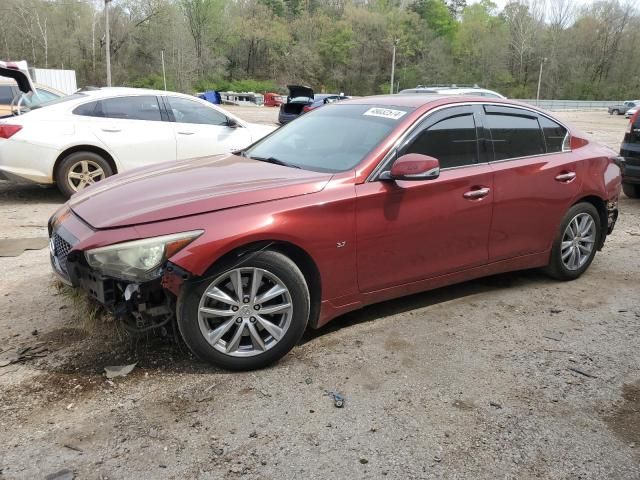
(631, 112)
(80, 139)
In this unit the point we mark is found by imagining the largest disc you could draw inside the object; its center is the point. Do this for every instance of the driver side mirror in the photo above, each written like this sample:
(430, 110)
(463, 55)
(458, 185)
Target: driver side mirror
(413, 166)
(232, 123)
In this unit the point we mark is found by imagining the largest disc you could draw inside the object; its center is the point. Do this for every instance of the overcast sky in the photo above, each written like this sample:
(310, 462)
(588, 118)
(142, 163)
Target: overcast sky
(502, 3)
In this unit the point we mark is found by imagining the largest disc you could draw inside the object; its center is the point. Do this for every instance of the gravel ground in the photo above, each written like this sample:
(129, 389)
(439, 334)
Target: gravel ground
(513, 376)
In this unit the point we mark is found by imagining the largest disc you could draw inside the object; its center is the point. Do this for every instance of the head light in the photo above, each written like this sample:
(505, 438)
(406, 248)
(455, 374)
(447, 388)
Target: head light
(140, 260)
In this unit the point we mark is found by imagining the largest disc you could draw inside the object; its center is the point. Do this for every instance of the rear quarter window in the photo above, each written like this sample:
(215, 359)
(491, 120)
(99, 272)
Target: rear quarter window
(554, 135)
(86, 110)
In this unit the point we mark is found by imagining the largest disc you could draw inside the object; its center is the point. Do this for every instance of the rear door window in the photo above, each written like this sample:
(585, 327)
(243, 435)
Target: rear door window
(143, 107)
(515, 132)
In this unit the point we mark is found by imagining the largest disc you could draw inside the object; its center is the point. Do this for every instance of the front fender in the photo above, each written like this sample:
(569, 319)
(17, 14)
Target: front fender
(321, 224)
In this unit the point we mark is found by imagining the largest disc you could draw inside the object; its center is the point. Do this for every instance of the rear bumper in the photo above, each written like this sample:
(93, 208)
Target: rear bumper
(630, 167)
(612, 215)
(22, 161)
(284, 118)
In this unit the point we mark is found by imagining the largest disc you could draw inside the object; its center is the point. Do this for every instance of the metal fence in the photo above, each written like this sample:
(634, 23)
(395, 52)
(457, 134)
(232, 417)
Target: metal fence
(568, 105)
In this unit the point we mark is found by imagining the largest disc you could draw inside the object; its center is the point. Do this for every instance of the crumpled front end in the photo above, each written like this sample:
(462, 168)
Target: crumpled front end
(139, 305)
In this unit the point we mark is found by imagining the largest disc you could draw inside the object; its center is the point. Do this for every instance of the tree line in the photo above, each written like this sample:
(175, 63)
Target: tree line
(591, 52)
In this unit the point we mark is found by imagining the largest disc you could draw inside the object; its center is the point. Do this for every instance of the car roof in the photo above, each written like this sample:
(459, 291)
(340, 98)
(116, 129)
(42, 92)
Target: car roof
(104, 92)
(417, 100)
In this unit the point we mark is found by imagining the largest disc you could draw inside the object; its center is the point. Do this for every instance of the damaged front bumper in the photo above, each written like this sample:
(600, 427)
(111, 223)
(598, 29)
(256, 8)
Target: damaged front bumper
(140, 306)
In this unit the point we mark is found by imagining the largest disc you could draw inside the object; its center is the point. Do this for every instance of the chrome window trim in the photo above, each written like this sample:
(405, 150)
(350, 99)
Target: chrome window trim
(373, 176)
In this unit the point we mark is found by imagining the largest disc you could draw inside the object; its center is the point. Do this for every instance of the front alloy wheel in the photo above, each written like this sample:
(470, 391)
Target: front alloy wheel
(246, 314)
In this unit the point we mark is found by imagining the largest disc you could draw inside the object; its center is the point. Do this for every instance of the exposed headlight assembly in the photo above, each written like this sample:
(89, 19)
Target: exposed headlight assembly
(139, 260)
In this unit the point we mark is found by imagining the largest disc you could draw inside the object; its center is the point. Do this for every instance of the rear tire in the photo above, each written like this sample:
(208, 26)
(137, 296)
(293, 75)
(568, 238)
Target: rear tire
(615, 112)
(576, 242)
(79, 170)
(631, 190)
(237, 333)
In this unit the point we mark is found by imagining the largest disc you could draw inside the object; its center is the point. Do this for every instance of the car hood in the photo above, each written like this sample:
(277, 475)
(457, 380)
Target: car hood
(18, 71)
(189, 187)
(300, 91)
(259, 130)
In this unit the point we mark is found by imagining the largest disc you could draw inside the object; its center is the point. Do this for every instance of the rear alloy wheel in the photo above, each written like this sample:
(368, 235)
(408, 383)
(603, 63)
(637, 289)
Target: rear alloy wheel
(247, 316)
(631, 190)
(615, 112)
(576, 245)
(80, 170)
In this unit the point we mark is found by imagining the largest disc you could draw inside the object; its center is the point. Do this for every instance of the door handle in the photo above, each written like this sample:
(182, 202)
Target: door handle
(186, 133)
(566, 177)
(477, 194)
(112, 130)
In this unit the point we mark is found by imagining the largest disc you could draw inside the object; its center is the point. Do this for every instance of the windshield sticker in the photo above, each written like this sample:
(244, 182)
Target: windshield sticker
(384, 113)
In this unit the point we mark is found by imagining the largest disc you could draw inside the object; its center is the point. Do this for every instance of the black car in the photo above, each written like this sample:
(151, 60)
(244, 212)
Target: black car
(630, 150)
(302, 100)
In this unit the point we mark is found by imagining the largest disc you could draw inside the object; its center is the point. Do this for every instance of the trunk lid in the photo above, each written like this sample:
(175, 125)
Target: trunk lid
(296, 91)
(190, 187)
(18, 71)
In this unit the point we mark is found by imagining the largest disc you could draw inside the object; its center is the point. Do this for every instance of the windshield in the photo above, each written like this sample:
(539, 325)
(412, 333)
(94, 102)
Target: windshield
(334, 138)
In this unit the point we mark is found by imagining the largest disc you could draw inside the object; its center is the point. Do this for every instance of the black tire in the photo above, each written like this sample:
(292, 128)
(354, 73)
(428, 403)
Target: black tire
(274, 262)
(615, 112)
(72, 162)
(556, 267)
(631, 190)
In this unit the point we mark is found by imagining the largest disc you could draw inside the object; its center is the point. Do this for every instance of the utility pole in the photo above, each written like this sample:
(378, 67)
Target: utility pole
(108, 40)
(164, 74)
(540, 81)
(393, 65)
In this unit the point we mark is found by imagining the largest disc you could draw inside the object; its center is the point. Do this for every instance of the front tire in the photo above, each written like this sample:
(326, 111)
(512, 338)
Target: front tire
(576, 242)
(631, 190)
(79, 170)
(247, 314)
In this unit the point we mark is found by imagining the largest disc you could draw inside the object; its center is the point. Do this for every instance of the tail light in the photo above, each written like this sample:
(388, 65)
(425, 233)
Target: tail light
(7, 131)
(307, 108)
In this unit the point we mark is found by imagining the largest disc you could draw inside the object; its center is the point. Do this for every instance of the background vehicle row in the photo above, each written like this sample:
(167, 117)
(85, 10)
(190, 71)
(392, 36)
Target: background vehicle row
(85, 137)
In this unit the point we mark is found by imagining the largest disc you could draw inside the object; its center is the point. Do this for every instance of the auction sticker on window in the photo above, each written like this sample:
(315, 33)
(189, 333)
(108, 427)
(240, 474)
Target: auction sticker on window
(384, 113)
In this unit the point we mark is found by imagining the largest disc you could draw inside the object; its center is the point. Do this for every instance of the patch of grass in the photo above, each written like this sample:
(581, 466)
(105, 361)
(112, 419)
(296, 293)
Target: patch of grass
(90, 316)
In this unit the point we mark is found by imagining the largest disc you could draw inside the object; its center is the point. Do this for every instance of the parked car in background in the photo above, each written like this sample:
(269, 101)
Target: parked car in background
(83, 138)
(622, 108)
(274, 99)
(632, 111)
(454, 90)
(19, 96)
(354, 203)
(630, 151)
(242, 98)
(301, 100)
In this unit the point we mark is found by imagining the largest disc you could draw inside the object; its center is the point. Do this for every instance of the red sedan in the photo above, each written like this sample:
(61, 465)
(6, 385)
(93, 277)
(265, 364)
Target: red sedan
(355, 203)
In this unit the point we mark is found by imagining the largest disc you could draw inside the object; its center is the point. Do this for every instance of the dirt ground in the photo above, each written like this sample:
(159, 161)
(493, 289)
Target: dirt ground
(514, 376)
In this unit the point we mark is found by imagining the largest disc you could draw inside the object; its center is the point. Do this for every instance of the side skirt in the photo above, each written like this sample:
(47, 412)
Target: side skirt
(329, 310)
